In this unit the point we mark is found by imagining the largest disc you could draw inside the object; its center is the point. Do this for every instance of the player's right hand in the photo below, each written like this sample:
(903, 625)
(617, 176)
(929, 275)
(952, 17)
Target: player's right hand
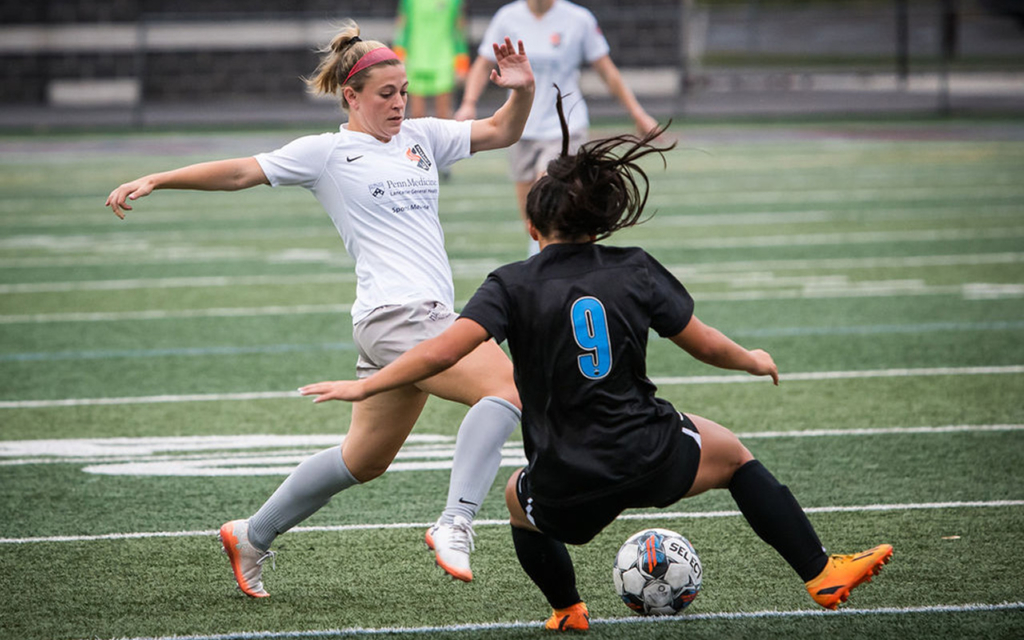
(119, 197)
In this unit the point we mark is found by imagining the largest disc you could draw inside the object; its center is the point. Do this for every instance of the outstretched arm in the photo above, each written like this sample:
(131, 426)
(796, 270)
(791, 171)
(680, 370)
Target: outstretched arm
(426, 359)
(711, 346)
(617, 86)
(219, 175)
(506, 125)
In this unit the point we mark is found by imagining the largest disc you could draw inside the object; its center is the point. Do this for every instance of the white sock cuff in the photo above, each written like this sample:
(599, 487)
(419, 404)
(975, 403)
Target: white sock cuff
(504, 403)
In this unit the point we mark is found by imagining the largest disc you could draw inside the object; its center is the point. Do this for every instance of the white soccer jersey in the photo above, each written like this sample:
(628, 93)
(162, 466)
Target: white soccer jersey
(557, 44)
(382, 198)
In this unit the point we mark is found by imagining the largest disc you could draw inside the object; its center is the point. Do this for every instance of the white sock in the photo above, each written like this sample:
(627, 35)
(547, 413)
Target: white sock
(310, 486)
(483, 431)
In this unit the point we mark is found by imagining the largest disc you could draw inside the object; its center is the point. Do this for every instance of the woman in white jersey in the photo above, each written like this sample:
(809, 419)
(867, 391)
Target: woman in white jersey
(377, 177)
(561, 37)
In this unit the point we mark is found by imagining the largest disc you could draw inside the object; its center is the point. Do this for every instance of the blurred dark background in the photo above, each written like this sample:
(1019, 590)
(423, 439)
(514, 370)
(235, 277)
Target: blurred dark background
(146, 62)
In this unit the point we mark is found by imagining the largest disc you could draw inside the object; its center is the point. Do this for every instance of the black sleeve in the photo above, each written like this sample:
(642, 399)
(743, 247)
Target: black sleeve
(489, 307)
(671, 306)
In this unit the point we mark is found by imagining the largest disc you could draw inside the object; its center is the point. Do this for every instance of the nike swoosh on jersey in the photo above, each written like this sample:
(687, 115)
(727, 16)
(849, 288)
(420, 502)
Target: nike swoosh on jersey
(352, 159)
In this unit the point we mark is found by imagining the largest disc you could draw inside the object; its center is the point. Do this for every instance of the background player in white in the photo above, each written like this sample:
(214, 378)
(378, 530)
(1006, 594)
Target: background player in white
(377, 178)
(561, 37)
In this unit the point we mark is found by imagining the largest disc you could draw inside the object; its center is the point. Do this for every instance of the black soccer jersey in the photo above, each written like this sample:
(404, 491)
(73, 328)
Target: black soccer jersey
(577, 318)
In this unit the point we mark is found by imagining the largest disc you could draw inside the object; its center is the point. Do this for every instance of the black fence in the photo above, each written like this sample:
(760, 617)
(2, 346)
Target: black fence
(139, 61)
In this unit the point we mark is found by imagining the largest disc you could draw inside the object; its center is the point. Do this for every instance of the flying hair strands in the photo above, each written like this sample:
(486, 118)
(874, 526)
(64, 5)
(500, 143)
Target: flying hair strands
(596, 191)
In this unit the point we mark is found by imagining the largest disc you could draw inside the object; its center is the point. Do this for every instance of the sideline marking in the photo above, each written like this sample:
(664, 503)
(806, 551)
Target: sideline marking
(680, 619)
(167, 314)
(177, 352)
(479, 267)
(104, 354)
(660, 515)
(264, 455)
(666, 381)
(821, 290)
(841, 375)
(175, 283)
(119, 448)
(853, 237)
(711, 272)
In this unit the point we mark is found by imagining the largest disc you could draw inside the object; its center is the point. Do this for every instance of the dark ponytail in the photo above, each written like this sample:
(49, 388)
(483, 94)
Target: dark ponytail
(595, 192)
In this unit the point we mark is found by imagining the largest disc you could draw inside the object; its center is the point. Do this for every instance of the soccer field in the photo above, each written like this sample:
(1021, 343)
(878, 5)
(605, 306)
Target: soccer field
(148, 368)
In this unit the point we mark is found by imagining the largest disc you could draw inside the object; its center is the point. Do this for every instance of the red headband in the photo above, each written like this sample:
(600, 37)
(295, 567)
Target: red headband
(370, 58)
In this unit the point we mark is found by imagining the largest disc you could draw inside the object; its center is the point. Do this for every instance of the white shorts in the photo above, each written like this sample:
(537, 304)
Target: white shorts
(389, 331)
(528, 159)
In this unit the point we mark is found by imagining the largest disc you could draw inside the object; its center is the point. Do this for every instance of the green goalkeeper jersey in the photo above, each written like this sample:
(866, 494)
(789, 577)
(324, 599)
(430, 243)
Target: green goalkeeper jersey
(431, 41)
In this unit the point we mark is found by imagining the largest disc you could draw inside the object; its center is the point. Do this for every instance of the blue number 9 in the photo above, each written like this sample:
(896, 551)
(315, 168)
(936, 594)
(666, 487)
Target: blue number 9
(590, 328)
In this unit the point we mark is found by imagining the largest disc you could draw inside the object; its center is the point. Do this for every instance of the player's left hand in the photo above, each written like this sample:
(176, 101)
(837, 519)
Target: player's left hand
(348, 390)
(514, 71)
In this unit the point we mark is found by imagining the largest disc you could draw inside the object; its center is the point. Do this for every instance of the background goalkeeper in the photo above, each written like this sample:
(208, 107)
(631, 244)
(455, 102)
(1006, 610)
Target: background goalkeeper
(430, 39)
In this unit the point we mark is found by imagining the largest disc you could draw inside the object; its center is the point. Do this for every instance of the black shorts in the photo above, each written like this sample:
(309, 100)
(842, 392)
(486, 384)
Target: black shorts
(579, 522)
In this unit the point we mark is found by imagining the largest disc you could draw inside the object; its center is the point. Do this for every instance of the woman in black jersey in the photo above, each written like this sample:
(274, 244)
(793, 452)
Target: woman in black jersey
(597, 439)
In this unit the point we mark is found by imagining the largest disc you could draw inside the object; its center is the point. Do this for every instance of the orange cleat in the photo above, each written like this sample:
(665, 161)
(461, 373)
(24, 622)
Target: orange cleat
(429, 538)
(574, 618)
(843, 573)
(246, 560)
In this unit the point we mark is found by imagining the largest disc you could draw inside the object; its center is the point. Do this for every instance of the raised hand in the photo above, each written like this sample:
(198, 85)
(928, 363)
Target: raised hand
(513, 70)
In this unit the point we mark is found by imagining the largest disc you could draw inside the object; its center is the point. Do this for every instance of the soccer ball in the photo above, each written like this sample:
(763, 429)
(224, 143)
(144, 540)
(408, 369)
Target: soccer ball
(657, 572)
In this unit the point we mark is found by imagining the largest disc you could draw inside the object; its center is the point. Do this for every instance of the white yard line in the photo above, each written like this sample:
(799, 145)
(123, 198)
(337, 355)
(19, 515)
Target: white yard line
(664, 381)
(467, 268)
(936, 210)
(175, 283)
(176, 352)
(470, 629)
(798, 197)
(165, 314)
(787, 332)
(276, 455)
(880, 262)
(814, 288)
(826, 239)
(660, 516)
(815, 376)
(198, 397)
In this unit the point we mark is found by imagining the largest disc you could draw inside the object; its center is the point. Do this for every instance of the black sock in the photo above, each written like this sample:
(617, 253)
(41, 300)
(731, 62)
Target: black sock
(548, 564)
(776, 517)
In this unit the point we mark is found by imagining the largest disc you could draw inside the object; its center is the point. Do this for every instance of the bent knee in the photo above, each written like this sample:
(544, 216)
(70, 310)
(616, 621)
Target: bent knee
(507, 397)
(517, 517)
(733, 454)
(366, 471)
(511, 496)
(502, 393)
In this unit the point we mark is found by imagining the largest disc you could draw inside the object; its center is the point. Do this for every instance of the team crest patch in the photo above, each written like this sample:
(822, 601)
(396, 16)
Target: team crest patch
(417, 155)
(377, 189)
(556, 39)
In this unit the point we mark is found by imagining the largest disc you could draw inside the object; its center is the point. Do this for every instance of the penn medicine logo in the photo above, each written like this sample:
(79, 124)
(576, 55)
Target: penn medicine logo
(417, 155)
(377, 190)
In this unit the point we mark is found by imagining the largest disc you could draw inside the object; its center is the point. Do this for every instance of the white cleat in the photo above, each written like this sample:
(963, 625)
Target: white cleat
(452, 544)
(246, 560)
